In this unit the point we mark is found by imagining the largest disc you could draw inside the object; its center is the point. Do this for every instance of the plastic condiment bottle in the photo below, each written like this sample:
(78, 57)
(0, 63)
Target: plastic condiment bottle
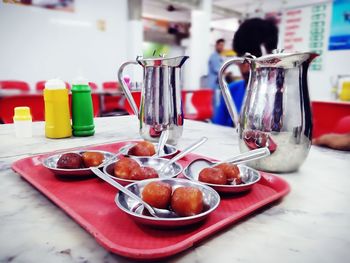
(23, 122)
(57, 116)
(82, 109)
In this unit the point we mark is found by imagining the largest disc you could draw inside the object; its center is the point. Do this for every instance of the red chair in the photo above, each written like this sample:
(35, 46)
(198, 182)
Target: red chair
(34, 101)
(137, 98)
(14, 84)
(330, 117)
(343, 125)
(198, 104)
(110, 85)
(112, 102)
(93, 86)
(96, 102)
(36, 104)
(40, 85)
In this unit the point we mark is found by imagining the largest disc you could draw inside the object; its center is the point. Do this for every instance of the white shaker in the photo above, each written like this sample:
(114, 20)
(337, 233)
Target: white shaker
(23, 122)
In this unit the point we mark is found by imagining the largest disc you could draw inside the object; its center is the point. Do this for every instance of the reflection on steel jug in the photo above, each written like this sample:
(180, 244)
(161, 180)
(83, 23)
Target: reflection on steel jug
(161, 105)
(276, 111)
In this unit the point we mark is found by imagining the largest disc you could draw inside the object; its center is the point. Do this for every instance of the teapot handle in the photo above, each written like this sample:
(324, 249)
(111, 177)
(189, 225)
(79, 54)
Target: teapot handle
(226, 92)
(125, 87)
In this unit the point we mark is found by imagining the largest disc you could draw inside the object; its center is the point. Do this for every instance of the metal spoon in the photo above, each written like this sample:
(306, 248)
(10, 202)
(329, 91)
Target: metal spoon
(247, 156)
(187, 150)
(155, 212)
(162, 141)
(201, 163)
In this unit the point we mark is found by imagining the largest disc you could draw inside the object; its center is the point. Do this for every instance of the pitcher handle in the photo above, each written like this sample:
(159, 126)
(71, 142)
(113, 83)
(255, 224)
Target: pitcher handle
(125, 87)
(226, 92)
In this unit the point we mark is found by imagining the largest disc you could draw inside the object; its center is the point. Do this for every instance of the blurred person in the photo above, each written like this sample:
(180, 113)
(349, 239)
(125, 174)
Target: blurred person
(214, 64)
(339, 139)
(334, 141)
(229, 78)
(255, 36)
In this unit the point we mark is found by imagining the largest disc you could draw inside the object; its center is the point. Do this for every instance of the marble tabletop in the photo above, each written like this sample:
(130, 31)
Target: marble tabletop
(311, 224)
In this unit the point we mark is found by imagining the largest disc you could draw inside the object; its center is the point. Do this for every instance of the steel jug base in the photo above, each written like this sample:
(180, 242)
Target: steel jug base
(288, 156)
(148, 133)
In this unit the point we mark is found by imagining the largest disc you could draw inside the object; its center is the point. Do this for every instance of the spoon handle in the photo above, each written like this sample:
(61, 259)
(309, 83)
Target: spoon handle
(187, 150)
(162, 141)
(121, 188)
(247, 156)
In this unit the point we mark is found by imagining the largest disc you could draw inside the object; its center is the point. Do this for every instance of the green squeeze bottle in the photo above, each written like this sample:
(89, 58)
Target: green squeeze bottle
(82, 109)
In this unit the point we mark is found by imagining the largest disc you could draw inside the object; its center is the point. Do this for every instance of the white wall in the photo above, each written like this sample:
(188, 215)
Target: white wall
(198, 46)
(38, 43)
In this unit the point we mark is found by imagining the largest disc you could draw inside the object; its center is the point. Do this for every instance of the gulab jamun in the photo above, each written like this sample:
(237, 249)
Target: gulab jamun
(187, 201)
(157, 194)
(143, 148)
(144, 172)
(212, 176)
(70, 161)
(230, 170)
(92, 158)
(124, 167)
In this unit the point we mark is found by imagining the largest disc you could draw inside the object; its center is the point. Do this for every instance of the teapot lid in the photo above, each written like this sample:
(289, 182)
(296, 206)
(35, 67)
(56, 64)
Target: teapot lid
(279, 59)
(161, 61)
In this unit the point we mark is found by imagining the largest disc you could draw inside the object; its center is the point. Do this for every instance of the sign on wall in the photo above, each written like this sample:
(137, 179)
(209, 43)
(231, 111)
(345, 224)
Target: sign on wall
(304, 30)
(295, 29)
(317, 35)
(340, 26)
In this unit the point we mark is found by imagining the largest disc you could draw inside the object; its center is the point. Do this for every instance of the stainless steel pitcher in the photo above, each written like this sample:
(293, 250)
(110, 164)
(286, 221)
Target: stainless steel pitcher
(161, 104)
(276, 111)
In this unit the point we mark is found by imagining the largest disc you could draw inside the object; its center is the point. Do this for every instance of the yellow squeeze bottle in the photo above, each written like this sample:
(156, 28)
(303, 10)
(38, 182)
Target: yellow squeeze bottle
(57, 116)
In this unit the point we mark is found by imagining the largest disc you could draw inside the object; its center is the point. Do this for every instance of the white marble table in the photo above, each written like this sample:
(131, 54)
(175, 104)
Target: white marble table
(311, 224)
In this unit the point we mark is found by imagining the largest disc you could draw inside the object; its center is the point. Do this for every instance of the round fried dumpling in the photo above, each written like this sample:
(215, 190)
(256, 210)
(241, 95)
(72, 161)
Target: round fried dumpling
(143, 148)
(92, 159)
(142, 173)
(231, 172)
(187, 201)
(70, 161)
(212, 176)
(124, 168)
(157, 194)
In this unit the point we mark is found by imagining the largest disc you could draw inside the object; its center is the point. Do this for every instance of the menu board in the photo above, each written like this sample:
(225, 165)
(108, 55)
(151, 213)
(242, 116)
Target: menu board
(295, 29)
(317, 36)
(304, 30)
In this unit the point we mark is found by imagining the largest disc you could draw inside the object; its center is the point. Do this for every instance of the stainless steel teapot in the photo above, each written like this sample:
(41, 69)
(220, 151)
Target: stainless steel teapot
(161, 104)
(276, 111)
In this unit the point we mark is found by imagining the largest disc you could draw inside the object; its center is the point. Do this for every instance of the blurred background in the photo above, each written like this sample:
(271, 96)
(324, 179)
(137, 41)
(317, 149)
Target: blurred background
(44, 39)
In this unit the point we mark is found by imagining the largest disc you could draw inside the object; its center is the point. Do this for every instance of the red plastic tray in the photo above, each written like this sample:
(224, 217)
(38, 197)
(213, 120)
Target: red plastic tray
(90, 203)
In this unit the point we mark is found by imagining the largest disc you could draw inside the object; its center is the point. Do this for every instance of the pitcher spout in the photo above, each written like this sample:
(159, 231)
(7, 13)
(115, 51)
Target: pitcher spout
(176, 62)
(312, 56)
(286, 60)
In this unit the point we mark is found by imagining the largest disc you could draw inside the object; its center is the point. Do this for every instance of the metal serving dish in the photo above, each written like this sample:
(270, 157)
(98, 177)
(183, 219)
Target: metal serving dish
(174, 170)
(51, 164)
(249, 177)
(169, 150)
(130, 206)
